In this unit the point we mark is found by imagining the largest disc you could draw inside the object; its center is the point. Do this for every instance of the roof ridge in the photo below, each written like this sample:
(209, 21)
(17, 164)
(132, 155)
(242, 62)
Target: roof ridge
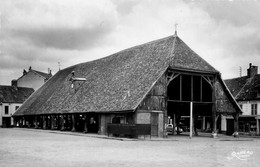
(172, 50)
(235, 78)
(10, 86)
(123, 50)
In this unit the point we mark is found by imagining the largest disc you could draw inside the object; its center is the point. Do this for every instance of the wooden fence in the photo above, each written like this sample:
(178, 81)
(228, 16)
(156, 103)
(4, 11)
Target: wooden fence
(129, 129)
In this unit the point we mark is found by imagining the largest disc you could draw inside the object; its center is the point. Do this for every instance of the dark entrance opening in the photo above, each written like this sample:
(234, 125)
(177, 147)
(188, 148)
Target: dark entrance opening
(93, 123)
(184, 89)
(6, 122)
(80, 122)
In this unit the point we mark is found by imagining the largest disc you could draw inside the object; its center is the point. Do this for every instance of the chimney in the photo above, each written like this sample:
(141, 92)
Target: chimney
(14, 83)
(24, 72)
(252, 71)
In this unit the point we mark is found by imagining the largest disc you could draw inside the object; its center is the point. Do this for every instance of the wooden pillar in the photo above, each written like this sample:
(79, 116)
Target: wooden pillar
(62, 128)
(44, 122)
(52, 122)
(214, 122)
(36, 122)
(15, 121)
(85, 123)
(31, 121)
(40, 121)
(20, 122)
(236, 116)
(236, 122)
(24, 121)
(203, 123)
(73, 119)
(191, 121)
(257, 126)
(174, 124)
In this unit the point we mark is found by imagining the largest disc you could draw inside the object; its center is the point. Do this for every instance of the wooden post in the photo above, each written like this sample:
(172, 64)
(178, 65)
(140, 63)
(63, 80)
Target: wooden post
(20, 122)
(174, 124)
(191, 121)
(40, 121)
(257, 126)
(73, 123)
(85, 123)
(24, 122)
(44, 122)
(15, 122)
(36, 122)
(214, 122)
(203, 123)
(236, 115)
(52, 121)
(62, 128)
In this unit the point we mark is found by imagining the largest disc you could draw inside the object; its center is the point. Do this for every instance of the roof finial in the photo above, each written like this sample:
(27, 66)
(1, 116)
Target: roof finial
(59, 65)
(175, 29)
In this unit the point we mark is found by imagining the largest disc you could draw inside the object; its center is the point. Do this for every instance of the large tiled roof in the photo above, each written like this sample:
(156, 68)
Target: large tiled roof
(11, 94)
(115, 83)
(244, 88)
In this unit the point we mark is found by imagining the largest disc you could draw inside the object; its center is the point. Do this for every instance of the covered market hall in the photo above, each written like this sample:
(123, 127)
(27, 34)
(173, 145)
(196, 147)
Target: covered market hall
(136, 92)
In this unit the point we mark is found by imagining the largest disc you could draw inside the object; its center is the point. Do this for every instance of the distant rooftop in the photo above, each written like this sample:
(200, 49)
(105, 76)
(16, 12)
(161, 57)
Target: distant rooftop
(12, 94)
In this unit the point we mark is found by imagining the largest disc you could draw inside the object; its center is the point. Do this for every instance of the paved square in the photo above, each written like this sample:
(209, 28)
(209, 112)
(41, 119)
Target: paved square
(29, 147)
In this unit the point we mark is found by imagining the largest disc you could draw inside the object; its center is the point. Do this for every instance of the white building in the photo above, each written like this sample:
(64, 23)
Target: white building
(33, 79)
(246, 91)
(11, 98)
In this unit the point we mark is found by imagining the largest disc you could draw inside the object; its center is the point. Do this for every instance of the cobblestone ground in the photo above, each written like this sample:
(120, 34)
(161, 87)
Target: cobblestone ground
(28, 147)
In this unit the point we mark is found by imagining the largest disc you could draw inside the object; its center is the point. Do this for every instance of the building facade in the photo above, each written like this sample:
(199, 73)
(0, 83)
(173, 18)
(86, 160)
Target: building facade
(11, 98)
(246, 90)
(33, 79)
(132, 92)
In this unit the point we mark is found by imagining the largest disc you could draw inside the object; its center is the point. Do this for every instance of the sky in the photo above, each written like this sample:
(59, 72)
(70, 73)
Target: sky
(44, 33)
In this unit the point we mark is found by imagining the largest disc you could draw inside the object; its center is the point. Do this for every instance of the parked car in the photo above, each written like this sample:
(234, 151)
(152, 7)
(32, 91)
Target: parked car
(169, 129)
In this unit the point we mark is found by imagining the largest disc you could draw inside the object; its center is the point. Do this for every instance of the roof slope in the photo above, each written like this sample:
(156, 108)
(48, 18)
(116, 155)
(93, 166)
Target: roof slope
(45, 75)
(244, 88)
(114, 83)
(11, 94)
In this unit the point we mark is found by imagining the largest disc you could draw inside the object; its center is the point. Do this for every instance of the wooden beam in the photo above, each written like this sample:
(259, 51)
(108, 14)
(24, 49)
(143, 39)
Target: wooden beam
(172, 77)
(207, 79)
(195, 102)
